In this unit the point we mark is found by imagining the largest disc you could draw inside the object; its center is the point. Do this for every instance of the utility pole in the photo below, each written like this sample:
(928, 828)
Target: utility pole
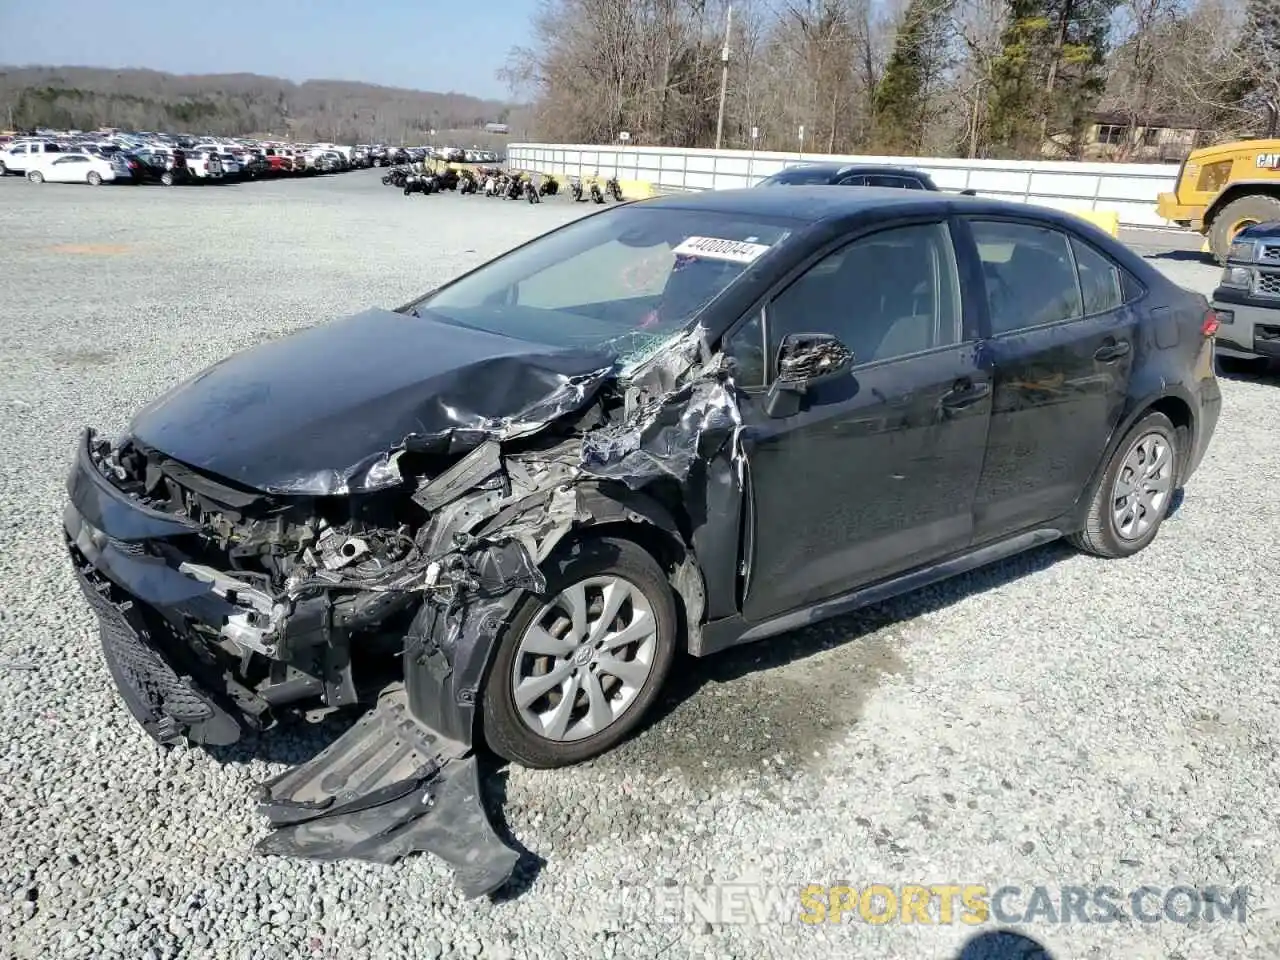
(724, 77)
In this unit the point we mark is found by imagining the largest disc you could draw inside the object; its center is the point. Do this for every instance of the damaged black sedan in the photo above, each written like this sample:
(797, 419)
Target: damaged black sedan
(498, 513)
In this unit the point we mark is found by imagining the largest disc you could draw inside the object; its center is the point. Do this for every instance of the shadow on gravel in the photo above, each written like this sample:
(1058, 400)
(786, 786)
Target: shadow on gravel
(493, 783)
(1262, 370)
(1004, 945)
(292, 742)
(1181, 256)
(740, 710)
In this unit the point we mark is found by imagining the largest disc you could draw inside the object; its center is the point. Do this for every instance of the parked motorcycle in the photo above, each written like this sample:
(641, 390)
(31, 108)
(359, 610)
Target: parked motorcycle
(575, 189)
(597, 195)
(447, 179)
(614, 188)
(532, 193)
(515, 187)
(423, 183)
(467, 182)
(549, 186)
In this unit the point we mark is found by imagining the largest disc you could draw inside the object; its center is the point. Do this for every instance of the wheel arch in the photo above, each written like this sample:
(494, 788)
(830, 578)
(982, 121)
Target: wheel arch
(645, 521)
(450, 661)
(1175, 405)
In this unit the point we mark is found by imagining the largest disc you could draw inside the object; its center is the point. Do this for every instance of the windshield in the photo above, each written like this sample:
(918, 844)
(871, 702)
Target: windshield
(798, 177)
(622, 281)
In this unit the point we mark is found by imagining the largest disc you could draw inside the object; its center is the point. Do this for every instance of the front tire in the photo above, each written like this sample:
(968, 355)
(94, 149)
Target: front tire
(35, 176)
(1133, 496)
(578, 667)
(1227, 222)
(94, 179)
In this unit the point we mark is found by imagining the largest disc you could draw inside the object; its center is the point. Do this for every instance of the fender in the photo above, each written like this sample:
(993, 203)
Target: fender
(1135, 411)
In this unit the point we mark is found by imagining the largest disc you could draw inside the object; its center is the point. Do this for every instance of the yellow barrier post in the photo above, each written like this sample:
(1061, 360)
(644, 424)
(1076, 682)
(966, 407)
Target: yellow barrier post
(1106, 220)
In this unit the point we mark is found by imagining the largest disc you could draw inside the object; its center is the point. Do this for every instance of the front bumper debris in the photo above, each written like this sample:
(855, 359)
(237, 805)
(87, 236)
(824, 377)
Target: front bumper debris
(169, 706)
(387, 788)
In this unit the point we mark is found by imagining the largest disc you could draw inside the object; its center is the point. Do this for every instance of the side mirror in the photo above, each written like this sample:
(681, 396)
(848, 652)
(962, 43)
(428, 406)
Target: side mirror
(805, 360)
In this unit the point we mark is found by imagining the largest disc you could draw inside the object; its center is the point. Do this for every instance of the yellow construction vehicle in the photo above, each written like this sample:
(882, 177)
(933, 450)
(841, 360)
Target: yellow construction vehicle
(1223, 189)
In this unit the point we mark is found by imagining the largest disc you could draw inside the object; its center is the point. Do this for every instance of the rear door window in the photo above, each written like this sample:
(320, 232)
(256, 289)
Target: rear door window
(890, 180)
(1030, 274)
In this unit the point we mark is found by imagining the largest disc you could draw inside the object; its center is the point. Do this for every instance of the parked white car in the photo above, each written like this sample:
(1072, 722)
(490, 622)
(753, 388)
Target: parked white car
(20, 155)
(204, 163)
(76, 168)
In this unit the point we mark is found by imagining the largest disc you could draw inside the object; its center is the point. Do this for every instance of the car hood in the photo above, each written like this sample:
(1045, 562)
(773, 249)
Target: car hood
(1270, 230)
(329, 410)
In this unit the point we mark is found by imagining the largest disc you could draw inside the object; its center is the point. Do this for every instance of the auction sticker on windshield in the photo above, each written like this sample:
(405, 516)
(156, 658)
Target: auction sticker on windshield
(713, 248)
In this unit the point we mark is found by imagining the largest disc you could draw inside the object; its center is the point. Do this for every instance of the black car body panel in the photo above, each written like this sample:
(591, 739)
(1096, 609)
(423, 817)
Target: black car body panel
(395, 482)
(324, 411)
(1248, 308)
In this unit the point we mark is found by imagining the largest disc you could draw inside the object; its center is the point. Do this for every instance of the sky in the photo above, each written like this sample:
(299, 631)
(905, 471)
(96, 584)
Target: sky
(424, 45)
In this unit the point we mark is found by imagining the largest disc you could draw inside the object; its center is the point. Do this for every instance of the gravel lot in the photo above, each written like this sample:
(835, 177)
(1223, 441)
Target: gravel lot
(1055, 720)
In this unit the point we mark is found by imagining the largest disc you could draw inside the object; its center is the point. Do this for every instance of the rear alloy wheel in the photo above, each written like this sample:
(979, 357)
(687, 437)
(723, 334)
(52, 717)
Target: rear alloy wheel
(94, 178)
(1134, 493)
(578, 667)
(166, 178)
(35, 176)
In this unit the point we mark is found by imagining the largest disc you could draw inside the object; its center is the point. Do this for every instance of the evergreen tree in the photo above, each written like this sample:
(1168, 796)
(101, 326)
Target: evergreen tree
(901, 104)
(1049, 75)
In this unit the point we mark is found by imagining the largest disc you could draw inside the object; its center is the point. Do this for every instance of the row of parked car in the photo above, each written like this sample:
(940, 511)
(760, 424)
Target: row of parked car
(168, 160)
(397, 156)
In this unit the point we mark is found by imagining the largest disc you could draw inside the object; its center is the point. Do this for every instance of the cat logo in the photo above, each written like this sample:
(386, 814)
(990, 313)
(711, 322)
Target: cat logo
(1269, 161)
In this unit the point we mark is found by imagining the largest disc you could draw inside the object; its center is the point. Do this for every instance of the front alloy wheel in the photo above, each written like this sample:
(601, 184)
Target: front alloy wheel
(584, 658)
(578, 667)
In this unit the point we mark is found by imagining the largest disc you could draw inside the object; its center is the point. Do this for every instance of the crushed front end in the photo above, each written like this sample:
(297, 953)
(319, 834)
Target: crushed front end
(222, 606)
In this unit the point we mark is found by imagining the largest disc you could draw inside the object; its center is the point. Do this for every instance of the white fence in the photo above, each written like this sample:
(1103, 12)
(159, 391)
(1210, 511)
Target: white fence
(1129, 189)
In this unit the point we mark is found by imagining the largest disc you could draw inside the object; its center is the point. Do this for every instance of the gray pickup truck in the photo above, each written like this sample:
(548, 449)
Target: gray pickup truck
(1247, 299)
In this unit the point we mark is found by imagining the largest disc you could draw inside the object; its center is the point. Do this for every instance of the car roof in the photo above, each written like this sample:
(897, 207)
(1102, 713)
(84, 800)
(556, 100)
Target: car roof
(804, 204)
(807, 206)
(834, 168)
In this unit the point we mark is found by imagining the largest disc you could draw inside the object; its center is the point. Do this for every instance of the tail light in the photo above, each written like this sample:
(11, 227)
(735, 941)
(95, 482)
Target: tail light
(1210, 325)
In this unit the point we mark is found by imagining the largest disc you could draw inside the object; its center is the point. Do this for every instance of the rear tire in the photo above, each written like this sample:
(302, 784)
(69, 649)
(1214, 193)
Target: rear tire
(625, 565)
(166, 178)
(94, 179)
(1254, 208)
(1124, 516)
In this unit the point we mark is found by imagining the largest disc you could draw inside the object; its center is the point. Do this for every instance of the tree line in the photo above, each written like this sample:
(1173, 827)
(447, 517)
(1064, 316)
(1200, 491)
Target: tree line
(967, 78)
(86, 98)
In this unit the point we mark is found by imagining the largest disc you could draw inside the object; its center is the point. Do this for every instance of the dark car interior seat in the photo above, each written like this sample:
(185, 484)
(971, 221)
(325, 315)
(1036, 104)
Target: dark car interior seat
(877, 298)
(1039, 286)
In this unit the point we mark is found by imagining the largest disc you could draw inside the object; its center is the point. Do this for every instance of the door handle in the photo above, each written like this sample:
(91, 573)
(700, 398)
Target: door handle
(1112, 351)
(965, 393)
